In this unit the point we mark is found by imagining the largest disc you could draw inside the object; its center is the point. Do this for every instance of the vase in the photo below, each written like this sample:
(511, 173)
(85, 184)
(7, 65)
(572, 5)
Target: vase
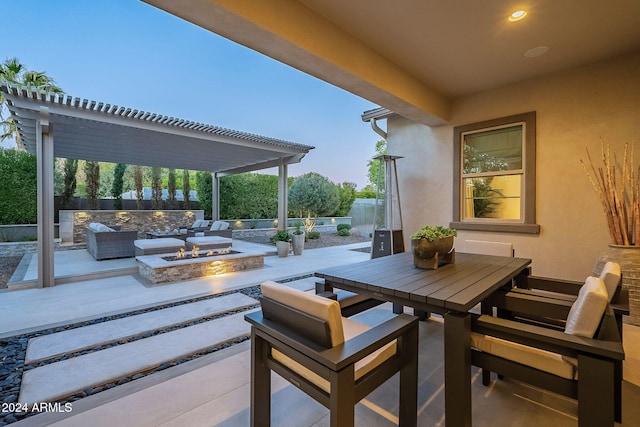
(298, 243)
(428, 253)
(282, 248)
(629, 259)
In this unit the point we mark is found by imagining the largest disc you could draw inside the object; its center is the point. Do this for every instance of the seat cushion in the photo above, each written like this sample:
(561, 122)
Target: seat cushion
(611, 276)
(543, 360)
(209, 240)
(362, 367)
(165, 242)
(587, 310)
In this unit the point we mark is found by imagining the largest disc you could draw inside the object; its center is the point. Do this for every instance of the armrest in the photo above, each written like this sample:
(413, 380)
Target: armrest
(527, 303)
(340, 356)
(546, 339)
(554, 285)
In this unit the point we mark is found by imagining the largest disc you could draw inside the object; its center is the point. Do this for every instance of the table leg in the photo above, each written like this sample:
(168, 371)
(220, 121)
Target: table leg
(457, 369)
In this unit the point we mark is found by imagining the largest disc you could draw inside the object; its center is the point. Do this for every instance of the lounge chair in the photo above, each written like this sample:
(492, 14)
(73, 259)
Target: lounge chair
(105, 242)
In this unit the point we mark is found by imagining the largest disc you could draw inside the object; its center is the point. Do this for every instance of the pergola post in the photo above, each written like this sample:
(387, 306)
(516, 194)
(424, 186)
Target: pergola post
(44, 156)
(283, 189)
(215, 197)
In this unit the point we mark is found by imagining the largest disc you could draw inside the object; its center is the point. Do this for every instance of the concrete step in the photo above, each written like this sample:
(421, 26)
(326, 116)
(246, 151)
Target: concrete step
(64, 378)
(48, 346)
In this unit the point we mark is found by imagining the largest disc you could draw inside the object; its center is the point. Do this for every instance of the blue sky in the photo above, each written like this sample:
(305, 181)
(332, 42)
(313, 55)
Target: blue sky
(128, 53)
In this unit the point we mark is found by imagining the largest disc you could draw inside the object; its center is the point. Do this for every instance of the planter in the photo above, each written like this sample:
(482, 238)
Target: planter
(298, 243)
(629, 259)
(283, 248)
(430, 253)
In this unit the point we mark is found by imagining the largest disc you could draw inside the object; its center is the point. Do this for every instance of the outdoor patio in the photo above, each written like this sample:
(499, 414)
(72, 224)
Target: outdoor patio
(213, 389)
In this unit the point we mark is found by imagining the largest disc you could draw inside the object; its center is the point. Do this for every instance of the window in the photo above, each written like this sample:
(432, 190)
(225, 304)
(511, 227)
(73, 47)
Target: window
(494, 173)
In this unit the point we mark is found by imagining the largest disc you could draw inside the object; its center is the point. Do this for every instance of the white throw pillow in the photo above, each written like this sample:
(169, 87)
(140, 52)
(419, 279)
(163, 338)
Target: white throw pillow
(586, 312)
(215, 226)
(224, 225)
(95, 226)
(204, 223)
(197, 223)
(611, 276)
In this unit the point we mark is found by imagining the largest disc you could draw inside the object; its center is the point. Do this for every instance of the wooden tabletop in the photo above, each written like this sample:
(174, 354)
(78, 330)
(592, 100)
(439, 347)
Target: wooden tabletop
(457, 287)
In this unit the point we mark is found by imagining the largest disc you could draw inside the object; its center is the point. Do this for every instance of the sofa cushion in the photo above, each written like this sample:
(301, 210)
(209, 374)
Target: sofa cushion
(611, 276)
(587, 310)
(215, 226)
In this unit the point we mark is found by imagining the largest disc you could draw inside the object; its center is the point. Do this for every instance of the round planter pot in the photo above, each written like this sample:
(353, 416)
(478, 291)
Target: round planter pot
(283, 248)
(426, 254)
(298, 243)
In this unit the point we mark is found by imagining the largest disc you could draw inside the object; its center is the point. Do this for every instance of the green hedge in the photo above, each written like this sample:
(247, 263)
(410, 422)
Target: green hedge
(18, 191)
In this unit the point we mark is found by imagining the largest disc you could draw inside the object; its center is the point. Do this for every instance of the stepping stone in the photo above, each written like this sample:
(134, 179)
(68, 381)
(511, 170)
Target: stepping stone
(54, 381)
(48, 346)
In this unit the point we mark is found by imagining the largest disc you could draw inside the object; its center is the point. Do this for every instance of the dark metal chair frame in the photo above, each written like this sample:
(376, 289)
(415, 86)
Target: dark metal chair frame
(306, 340)
(599, 384)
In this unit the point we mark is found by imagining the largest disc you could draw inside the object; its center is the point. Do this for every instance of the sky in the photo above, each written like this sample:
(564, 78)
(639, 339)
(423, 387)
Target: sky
(128, 53)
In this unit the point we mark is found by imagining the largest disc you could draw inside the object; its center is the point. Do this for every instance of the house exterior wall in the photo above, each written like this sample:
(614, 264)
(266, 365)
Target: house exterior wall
(576, 109)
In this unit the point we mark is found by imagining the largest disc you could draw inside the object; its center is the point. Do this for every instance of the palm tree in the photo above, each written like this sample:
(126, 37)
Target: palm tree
(12, 71)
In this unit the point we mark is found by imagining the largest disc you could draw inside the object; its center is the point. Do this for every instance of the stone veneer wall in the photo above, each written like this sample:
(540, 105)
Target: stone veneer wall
(73, 223)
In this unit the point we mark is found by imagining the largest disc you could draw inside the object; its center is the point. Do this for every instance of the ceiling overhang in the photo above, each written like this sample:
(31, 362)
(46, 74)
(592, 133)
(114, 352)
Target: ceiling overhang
(294, 34)
(91, 130)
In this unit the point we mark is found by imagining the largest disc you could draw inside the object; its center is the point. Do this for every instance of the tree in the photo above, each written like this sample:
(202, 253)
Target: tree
(70, 183)
(118, 185)
(138, 178)
(92, 174)
(314, 195)
(347, 192)
(373, 166)
(14, 72)
(156, 187)
(171, 189)
(186, 188)
(204, 186)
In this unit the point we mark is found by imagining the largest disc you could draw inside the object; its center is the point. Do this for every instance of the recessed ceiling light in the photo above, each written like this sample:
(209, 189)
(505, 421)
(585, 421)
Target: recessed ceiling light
(517, 15)
(536, 51)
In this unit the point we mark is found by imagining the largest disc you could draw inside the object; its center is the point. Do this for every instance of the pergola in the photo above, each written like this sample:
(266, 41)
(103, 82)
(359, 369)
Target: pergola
(59, 125)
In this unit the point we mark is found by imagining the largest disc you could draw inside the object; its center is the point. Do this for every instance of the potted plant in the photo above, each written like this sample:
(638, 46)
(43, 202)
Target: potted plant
(432, 244)
(282, 239)
(298, 239)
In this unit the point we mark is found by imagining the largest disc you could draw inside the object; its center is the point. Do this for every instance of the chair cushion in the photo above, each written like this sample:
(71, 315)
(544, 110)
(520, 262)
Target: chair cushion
(98, 227)
(323, 308)
(215, 226)
(224, 225)
(612, 277)
(543, 360)
(362, 367)
(587, 310)
(196, 223)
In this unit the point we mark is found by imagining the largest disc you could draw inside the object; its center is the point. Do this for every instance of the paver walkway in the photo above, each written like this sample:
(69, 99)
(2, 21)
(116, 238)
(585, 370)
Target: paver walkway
(59, 379)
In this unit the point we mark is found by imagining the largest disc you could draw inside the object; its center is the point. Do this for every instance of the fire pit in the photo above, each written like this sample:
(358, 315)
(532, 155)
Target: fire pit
(185, 265)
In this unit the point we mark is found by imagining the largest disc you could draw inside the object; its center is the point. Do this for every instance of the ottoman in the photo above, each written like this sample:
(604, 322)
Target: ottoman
(208, 242)
(157, 246)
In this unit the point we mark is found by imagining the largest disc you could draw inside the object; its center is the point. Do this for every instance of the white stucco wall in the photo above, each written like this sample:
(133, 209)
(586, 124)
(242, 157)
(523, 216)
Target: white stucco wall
(576, 109)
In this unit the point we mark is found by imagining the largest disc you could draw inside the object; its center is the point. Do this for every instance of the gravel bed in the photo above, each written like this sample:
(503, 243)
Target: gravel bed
(8, 265)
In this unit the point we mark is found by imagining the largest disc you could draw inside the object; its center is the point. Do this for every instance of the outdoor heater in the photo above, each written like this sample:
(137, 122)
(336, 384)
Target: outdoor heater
(387, 221)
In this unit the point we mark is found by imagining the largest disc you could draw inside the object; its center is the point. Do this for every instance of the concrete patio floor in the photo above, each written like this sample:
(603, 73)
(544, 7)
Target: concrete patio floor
(214, 389)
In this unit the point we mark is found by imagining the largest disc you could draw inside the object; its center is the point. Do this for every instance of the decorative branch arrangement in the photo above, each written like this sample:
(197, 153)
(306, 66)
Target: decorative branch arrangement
(618, 187)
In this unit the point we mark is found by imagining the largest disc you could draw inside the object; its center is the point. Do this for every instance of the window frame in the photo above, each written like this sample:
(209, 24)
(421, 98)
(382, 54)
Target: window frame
(527, 223)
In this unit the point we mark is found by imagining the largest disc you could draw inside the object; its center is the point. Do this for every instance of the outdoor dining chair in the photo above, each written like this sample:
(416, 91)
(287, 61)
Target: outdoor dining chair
(336, 361)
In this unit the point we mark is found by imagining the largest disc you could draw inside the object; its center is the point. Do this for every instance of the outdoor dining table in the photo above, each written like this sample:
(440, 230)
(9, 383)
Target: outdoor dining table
(450, 290)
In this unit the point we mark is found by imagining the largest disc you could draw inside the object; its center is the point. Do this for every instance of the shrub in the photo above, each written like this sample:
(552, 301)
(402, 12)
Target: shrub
(343, 232)
(314, 194)
(343, 227)
(281, 236)
(313, 235)
(18, 192)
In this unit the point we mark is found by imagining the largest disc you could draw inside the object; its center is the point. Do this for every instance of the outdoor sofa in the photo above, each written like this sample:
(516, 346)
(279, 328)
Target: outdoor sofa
(201, 228)
(105, 242)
